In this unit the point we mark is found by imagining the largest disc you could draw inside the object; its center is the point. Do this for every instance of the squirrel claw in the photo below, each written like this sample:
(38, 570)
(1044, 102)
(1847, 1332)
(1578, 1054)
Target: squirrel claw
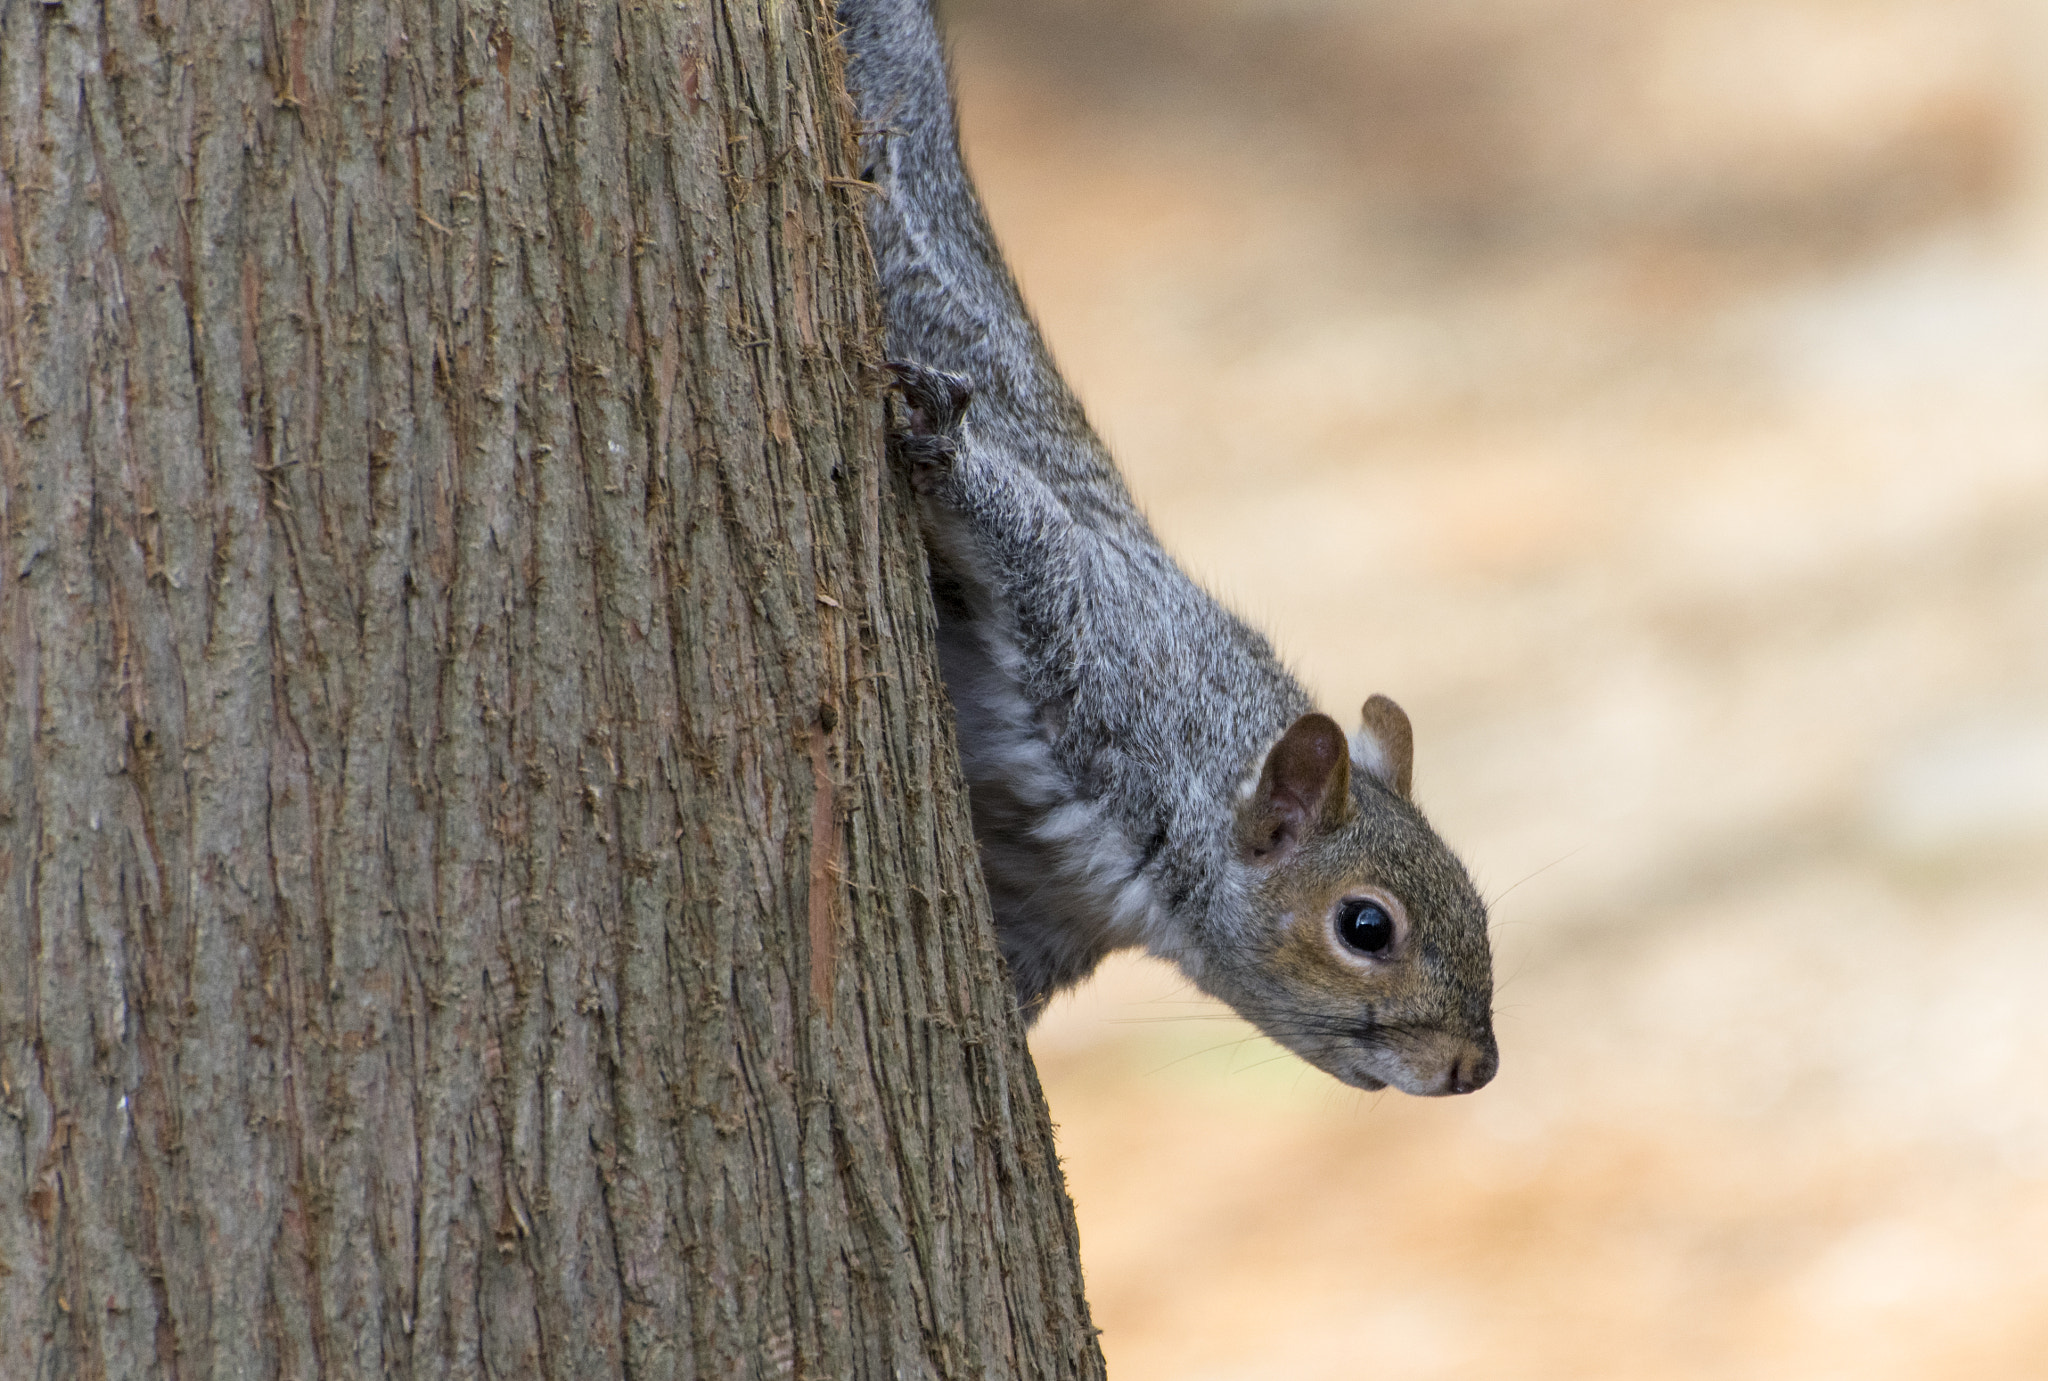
(936, 398)
(924, 419)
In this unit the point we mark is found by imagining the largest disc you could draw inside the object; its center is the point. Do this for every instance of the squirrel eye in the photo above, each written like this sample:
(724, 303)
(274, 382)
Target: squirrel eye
(1364, 925)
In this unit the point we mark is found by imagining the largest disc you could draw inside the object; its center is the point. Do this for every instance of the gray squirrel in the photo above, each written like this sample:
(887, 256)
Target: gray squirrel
(1142, 770)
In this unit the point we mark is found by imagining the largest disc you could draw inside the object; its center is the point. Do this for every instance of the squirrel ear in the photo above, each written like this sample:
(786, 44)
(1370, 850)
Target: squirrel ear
(1305, 787)
(1386, 744)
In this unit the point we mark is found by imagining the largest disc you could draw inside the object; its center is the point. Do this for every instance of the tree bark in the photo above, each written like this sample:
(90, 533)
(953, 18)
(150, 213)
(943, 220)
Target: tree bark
(484, 888)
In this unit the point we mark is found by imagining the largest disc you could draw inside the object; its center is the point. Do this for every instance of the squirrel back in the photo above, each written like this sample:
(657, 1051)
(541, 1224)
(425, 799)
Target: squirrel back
(1143, 771)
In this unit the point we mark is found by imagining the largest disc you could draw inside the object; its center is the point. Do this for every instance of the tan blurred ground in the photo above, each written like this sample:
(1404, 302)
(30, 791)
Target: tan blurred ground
(1653, 397)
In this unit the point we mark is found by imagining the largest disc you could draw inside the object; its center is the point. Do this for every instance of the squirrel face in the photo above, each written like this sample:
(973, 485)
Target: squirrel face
(1367, 952)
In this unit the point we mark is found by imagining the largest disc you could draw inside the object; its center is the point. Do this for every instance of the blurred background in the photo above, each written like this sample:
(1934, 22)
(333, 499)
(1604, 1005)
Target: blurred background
(1652, 396)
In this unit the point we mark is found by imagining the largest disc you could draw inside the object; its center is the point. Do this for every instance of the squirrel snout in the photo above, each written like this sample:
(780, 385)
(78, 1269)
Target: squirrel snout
(1436, 1066)
(1471, 1068)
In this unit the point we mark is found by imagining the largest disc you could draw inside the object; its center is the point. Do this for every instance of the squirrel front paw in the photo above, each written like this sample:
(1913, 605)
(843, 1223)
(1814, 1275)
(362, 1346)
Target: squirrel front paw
(924, 420)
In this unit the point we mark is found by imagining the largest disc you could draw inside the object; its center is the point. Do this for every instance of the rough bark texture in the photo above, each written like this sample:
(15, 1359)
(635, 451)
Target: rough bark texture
(483, 888)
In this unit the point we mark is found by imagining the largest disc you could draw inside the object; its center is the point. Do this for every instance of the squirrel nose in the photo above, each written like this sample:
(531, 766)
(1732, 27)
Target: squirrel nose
(1472, 1069)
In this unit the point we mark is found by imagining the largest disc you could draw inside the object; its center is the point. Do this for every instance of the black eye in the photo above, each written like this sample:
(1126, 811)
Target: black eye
(1364, 925)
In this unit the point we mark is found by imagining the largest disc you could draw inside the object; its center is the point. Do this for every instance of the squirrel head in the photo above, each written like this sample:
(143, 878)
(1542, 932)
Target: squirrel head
(1365, 950)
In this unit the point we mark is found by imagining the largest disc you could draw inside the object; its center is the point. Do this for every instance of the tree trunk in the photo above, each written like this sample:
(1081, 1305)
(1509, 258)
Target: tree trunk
(483, 883)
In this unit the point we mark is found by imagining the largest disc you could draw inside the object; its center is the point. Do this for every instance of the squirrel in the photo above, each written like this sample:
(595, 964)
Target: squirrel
(1142, 771)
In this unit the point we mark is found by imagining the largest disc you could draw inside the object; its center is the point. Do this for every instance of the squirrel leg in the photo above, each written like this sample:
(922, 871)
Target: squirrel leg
(1006, 510)
(1004, 558)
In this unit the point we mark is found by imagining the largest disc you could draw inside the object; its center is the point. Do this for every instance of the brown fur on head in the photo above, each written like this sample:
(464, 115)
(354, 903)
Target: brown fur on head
(1366, 952)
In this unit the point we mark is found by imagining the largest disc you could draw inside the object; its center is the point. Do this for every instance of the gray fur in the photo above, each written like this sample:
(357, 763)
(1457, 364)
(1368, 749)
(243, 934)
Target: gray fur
(1112, 716)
